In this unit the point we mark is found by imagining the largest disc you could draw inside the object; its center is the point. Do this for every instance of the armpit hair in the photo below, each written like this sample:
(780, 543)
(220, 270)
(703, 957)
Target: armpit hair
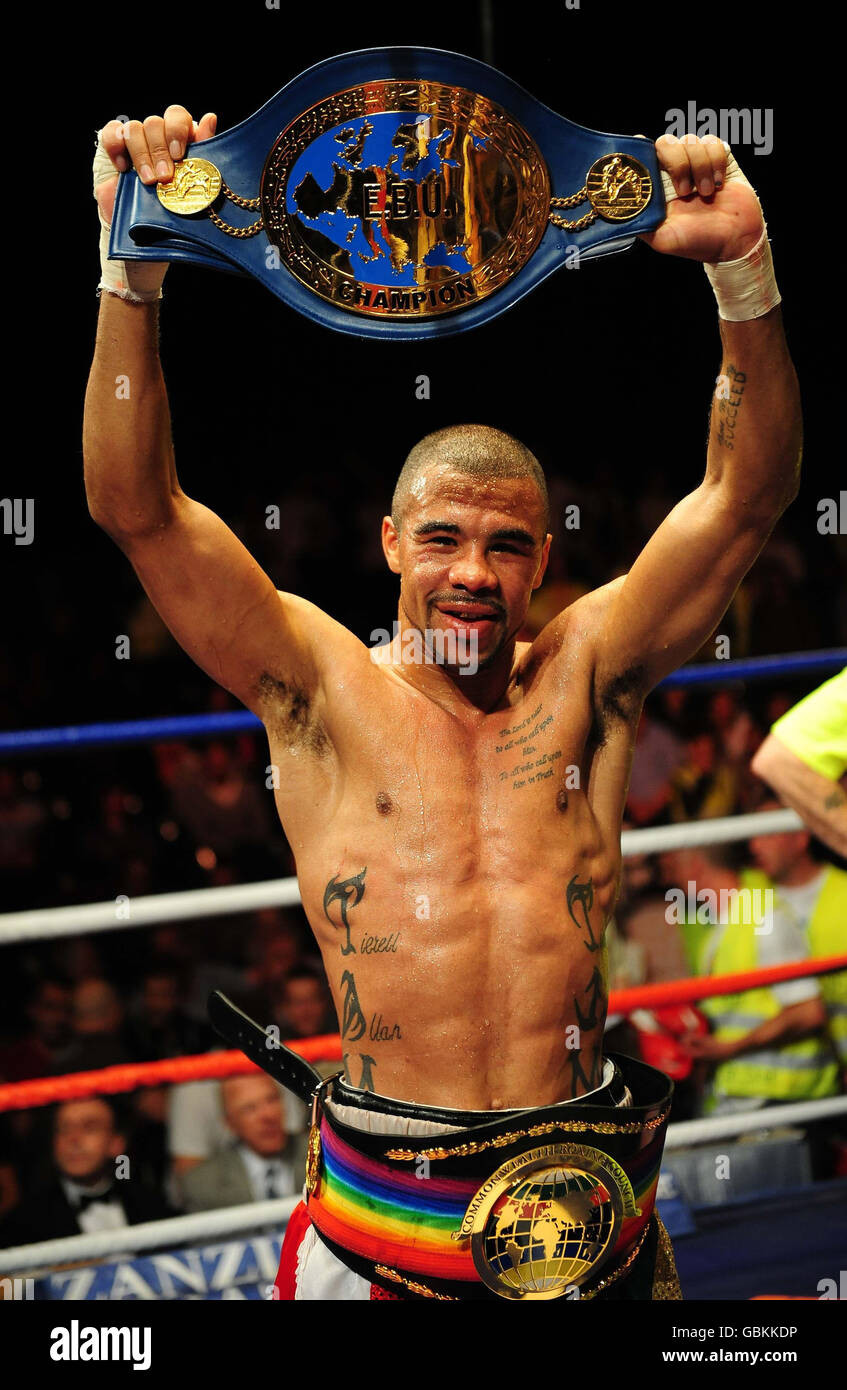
(289, 716)
(617, 701)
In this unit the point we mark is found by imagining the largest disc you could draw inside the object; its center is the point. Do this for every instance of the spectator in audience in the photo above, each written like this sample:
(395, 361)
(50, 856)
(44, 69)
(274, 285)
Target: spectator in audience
(91, 1189)
(642, 916)
(22, 821)
(767, 1045)
(305, 1010)
(99, 1038)
(276, 948)
(160, 1028)
(198, 1129)
(45, 1049)
(813, 893)
(703, 785)
(262, 1164)
(222, 810)
(658, 753)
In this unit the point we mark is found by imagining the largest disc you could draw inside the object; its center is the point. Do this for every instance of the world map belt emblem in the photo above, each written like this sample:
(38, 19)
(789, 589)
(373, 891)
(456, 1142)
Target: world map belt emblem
(404, 192)
(547, 1221)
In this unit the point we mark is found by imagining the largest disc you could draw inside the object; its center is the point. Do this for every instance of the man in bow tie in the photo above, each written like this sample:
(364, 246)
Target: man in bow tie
(92, 1189)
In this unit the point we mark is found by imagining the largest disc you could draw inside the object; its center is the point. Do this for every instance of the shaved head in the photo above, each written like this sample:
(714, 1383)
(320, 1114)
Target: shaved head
(479, 451)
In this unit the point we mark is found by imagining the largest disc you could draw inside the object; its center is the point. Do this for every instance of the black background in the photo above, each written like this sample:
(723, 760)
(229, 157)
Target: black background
(261, 398)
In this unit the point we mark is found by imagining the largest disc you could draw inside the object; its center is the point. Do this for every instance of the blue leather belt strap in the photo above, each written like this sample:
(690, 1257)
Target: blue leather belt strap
(143, 229)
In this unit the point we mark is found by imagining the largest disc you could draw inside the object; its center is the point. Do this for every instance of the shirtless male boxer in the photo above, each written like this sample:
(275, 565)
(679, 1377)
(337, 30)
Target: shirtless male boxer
(457, 835)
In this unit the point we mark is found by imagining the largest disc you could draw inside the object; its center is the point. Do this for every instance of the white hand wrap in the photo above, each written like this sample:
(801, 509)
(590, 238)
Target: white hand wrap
(138, 281)
(745, 288)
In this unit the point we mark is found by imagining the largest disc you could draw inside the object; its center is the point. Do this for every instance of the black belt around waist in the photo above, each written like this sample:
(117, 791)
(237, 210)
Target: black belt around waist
(530, 1204)
(533, 1204)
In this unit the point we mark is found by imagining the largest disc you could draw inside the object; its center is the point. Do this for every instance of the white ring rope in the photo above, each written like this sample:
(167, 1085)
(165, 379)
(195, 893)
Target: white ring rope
(769, 1117)
(123, 912)
(174, 1230)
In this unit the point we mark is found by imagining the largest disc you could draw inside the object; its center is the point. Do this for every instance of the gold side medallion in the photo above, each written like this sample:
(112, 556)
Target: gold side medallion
(404, 199)
(547, 1221)
(619, 187)
(194, 187)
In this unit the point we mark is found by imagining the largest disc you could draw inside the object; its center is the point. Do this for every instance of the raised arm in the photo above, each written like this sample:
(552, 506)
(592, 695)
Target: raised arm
(682, 582)
(216, 600)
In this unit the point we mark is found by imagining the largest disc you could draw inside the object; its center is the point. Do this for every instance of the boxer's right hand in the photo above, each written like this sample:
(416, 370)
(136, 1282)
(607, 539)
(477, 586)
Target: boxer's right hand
(150, 147)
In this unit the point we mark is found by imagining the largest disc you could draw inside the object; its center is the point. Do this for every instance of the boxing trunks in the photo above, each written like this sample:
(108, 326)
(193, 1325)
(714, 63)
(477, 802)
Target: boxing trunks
(412, 1201)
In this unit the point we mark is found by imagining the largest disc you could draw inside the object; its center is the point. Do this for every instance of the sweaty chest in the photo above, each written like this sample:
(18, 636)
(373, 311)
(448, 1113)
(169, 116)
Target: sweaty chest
(474, 796)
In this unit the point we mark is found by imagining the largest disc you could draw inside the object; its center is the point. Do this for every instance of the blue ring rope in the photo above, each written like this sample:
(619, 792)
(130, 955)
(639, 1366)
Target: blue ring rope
(242, 721)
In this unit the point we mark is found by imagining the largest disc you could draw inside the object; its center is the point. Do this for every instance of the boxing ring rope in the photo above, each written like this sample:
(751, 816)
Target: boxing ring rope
(97, 735)
(47, 1090)
(115, 915)
(147, 1235)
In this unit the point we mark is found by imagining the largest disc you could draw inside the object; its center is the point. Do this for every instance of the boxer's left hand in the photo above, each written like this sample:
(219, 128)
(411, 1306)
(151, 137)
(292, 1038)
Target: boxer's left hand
(710, 219)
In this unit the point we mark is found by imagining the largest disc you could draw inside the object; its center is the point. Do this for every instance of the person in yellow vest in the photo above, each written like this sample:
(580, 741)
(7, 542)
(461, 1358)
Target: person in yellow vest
(767, 1045)
(804, 760)
(815, 893)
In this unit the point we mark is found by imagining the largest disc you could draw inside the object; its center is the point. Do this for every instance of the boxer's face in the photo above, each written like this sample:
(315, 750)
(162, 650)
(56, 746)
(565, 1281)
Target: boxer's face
(469, 554)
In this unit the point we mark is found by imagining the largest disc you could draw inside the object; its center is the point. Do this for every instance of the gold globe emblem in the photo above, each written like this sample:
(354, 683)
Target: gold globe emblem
(546, 1222)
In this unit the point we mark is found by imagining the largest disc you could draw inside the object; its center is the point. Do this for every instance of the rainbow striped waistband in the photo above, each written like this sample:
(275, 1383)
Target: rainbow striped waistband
(403, 1213)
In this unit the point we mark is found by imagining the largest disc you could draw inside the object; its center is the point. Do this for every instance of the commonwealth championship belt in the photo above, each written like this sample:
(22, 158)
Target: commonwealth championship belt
(396, 192)
(537, 1204)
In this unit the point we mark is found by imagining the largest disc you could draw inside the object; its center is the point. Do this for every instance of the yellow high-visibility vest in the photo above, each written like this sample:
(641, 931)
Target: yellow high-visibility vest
(800, 1070)
(827, 936)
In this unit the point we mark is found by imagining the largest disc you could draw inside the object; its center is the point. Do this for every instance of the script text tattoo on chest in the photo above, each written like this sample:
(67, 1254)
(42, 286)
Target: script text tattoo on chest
(528, 762)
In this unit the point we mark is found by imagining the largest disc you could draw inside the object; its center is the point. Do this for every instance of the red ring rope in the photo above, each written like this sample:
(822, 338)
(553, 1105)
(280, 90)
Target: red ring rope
(25, 1095)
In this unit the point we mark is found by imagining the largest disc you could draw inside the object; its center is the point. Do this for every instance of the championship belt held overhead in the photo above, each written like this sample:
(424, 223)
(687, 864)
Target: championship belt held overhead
(396, 192)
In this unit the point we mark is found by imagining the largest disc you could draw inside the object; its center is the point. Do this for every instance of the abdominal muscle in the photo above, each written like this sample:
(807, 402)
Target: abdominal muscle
(476, 995)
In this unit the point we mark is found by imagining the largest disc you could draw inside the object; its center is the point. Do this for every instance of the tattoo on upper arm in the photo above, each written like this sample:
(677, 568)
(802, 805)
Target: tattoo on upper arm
(580, 900)
(347, 893)
(835, 799)
(727, 404)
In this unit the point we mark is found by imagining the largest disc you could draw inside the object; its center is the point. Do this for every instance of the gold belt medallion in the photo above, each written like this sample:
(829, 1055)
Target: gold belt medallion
(194, 187)
(619, 187)
(547, 1221)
